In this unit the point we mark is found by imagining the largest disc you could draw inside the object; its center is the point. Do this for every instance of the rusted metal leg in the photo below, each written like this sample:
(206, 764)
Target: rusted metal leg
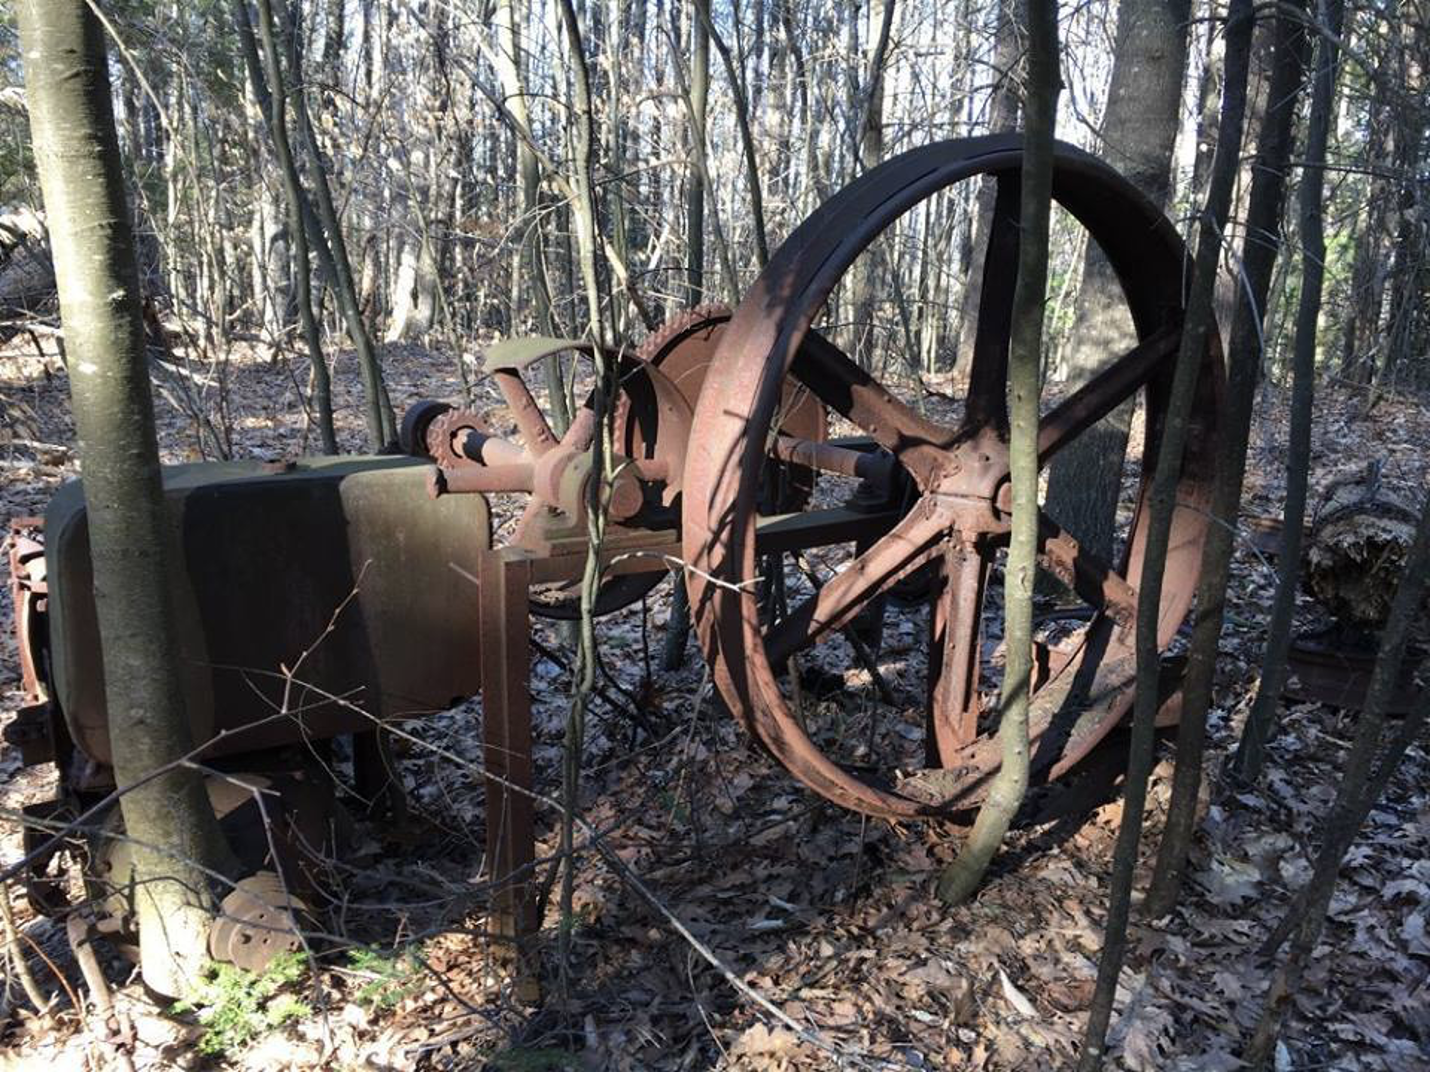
(505, 576)
(376, 776)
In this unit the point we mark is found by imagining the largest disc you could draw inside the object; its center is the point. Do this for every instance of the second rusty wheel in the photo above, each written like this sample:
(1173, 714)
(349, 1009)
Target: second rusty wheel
(958, 520)
(683, 349)
(657, 387)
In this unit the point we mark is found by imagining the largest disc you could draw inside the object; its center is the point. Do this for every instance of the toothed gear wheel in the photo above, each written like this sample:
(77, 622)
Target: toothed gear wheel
(258, 920)
(444, 429)
(412, 433)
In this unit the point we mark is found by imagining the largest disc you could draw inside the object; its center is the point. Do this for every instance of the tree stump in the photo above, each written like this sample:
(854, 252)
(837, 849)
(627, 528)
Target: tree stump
(1355, 555)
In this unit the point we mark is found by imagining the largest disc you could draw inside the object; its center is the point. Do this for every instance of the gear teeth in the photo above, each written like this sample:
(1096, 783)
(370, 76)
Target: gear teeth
(671, 331)
(439, 434)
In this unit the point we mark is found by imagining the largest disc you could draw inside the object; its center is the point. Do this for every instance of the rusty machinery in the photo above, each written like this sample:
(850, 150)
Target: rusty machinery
(958, 519)
(339, 570)
(722, 423)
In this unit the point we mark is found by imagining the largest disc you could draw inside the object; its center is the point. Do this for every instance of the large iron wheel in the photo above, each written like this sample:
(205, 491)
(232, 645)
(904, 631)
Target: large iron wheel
(959, 516)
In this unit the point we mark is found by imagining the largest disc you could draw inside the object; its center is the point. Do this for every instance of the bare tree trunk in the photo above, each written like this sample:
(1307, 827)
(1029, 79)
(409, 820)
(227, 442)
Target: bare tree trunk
(178, 848)
(584, 678)
(1406, 336)
(414, 296)
(869, 130)
(1274, 674)
(1003, 116)
(616, 149)
(511, 70)
(1198, 322)
(743, 127)
(584, 208)
(815, 181)
(1206, 132)
(269, 249)
(696, 167)
(1006, 791)
(322, 396)
(1246, 354)
(382, 425)
(1137, 137)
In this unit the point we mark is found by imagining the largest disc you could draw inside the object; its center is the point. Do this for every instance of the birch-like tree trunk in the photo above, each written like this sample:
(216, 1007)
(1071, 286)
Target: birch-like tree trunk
(178, 849)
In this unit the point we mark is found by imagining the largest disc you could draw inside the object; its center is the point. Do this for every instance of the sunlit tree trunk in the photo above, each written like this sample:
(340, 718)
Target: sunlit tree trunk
(178, 849)
(1137, 137)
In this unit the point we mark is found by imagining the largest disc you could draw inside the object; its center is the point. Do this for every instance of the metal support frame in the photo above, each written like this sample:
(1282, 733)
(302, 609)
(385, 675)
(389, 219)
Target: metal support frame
(505, 576)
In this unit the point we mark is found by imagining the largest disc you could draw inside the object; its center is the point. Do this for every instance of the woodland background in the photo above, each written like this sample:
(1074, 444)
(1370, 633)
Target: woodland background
(412, 108)
(443, 133)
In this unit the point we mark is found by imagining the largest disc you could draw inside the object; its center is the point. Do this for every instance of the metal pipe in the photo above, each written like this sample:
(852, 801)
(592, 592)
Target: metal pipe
(508, 477)
(871, 466)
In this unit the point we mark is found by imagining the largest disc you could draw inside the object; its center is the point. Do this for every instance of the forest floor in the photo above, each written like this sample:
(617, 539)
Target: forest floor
(830, 917)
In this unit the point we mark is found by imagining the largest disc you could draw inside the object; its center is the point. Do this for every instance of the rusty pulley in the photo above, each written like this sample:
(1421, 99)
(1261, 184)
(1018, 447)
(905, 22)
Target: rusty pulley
(956, 520)
(257, 921)
(557, 472)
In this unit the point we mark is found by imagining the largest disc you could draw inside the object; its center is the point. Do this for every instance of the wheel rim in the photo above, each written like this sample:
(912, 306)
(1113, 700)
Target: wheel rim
(958, 471)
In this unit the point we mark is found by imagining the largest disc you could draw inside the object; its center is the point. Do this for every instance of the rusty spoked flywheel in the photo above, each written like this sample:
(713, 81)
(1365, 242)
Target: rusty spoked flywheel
(958, 518)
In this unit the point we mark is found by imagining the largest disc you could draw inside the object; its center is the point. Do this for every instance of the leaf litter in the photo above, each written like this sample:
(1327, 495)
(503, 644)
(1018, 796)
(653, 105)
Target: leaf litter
(831, 918)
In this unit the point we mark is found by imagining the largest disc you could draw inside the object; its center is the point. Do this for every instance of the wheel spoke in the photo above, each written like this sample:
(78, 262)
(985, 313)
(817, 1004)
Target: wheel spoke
(904, 549)
(955, 654)
(579, 434)
(989, 363)
(1105, 392)
(1094, 580)
(853, 393)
